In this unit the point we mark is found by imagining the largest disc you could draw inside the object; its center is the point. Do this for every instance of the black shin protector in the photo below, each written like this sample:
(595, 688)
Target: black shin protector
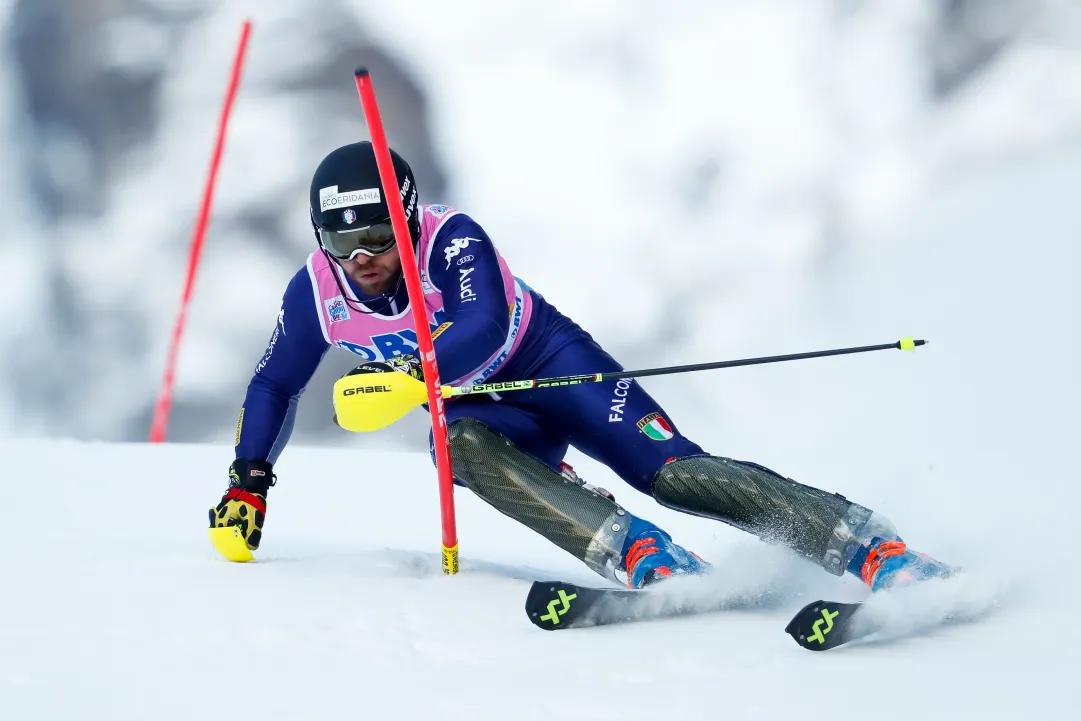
(587, 525)
(818, 525)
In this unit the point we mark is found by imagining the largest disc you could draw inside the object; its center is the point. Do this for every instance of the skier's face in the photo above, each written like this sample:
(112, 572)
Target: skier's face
(374, 274)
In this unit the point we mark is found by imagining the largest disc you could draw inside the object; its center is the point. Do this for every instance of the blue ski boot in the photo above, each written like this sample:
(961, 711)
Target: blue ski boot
(650, 556)
(888, 563)
(883, 560)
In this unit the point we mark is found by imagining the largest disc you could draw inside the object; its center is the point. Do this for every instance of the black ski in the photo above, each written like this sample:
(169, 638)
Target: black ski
(823, 625)
(556, 605)
(818, 626)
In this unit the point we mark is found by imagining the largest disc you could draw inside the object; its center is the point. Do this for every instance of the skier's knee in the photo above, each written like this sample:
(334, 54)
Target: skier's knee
(473, 444)
(431, 450)
(583, 522)
(467, 432)
(468, 438)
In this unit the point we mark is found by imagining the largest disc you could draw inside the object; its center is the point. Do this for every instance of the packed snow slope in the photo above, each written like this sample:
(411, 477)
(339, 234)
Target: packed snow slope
(114, 605)
(719, 169)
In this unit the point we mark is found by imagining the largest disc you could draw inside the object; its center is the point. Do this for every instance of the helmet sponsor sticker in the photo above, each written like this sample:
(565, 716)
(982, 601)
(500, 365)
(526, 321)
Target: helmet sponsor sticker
(349, 216)
(330, 198)
(412, 198)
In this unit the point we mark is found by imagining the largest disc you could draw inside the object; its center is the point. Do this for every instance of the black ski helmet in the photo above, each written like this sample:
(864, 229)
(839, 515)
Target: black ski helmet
(346, 194)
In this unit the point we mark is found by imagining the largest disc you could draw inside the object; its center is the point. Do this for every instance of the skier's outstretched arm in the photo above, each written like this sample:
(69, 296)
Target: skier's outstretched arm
(266, 419)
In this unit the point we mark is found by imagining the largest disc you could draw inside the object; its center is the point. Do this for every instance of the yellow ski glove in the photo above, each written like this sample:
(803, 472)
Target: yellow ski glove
(244, 504)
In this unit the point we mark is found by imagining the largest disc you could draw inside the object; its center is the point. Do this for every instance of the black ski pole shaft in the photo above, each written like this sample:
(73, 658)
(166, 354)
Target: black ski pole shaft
(500, 386)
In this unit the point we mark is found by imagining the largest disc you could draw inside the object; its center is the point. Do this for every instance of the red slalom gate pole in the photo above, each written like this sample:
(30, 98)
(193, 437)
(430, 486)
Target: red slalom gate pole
(164, 404)
(400, 225)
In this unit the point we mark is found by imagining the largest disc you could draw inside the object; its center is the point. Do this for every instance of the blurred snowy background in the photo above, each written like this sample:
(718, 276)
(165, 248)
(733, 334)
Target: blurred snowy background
(747, 178)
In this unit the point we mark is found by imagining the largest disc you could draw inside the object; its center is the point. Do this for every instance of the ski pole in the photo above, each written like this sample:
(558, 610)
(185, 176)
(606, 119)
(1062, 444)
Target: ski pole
(373, 401)
(501, 386)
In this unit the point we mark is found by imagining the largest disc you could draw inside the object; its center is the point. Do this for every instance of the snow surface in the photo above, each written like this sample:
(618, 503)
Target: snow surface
(782, 145)
(116, 607)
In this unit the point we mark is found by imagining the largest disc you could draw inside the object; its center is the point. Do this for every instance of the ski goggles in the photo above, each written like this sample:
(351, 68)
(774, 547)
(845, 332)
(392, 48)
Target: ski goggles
(347, 244)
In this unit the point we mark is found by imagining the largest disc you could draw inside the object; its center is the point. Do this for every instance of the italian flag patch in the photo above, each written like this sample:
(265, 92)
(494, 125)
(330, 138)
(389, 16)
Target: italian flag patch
(656, 427)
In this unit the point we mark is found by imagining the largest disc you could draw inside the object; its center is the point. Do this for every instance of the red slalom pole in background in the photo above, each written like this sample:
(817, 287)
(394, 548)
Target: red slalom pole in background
(400, 225)
(162, 408)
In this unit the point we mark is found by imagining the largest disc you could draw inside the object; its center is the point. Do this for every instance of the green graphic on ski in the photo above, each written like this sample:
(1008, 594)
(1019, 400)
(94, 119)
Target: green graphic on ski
(823, 625)
(555, 606)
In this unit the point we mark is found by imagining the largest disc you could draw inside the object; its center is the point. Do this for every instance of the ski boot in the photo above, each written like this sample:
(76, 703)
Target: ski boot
(648, 552)
(649, 555)
(883, 560)
(889, 564)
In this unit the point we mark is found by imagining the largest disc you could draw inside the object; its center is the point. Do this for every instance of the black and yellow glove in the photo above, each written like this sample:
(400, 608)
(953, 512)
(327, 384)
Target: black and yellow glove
(408, 364)
(244, 504)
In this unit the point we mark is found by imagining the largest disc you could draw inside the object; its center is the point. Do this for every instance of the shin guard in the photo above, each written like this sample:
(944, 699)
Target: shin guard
(589, 526)
(818, 525)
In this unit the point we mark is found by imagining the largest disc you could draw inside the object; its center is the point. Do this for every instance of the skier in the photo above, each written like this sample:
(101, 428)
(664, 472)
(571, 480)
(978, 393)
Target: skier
(489, 325)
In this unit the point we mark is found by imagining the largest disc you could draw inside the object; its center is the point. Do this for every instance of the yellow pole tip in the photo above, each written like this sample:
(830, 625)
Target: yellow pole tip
(908, 344)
